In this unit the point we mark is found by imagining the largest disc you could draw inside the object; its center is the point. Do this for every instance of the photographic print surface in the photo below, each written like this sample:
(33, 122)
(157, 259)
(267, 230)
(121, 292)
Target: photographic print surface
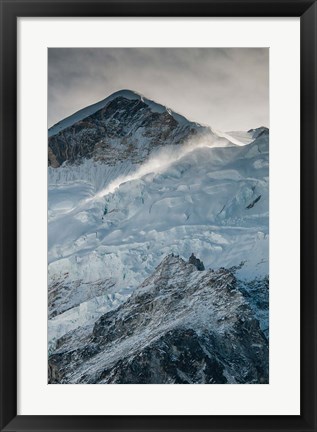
(158, 216)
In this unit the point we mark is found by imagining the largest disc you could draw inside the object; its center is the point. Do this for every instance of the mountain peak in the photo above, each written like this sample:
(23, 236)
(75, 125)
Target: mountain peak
(125, 94)
(139, 124)
(91, 109)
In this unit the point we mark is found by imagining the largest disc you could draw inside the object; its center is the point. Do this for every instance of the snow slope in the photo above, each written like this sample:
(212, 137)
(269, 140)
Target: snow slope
(110, 229)
(131, 181)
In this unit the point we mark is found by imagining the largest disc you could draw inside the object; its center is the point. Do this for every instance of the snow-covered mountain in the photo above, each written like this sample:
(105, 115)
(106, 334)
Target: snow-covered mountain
(179, 326)
(123, 127)
(130, 183)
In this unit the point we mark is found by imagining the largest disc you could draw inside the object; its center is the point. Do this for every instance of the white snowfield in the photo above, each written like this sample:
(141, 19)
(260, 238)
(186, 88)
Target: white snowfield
(109, 227)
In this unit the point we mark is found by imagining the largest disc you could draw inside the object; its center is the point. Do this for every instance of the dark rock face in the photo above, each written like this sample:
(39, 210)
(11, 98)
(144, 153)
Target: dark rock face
(258, 132)
(180, 326)
(257, 294)
(118, 132)
(251, 205)
(196, 262)
(176, 358)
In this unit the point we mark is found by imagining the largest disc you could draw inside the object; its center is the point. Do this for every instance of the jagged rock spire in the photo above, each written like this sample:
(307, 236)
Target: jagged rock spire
(196, 262)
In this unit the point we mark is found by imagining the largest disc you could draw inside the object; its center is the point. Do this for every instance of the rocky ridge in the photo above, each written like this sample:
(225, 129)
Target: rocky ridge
(181, 325)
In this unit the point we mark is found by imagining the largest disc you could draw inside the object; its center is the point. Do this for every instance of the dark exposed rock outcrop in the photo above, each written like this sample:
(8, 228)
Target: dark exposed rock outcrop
(196, 262)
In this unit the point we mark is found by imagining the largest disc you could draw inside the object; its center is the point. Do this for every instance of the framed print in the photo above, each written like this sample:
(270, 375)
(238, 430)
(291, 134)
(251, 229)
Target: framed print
(158, 215)
(142, 160)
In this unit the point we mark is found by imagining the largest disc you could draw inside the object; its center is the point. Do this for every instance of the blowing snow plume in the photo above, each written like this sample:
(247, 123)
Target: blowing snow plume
(161, 161)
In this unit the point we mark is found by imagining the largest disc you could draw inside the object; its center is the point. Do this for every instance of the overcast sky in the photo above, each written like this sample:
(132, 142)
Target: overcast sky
(227, 89)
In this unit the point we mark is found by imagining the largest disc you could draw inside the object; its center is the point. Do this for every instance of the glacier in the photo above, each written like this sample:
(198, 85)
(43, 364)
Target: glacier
(113, 219)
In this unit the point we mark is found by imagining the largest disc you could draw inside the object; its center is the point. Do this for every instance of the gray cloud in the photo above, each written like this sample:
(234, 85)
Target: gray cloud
(227, 89)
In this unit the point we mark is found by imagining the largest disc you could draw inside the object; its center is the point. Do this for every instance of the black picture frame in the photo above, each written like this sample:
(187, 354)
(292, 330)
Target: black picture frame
(10, 11)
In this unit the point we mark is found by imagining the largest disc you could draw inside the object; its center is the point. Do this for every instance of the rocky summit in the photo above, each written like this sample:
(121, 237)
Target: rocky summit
(125, 126)
(181, 326)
